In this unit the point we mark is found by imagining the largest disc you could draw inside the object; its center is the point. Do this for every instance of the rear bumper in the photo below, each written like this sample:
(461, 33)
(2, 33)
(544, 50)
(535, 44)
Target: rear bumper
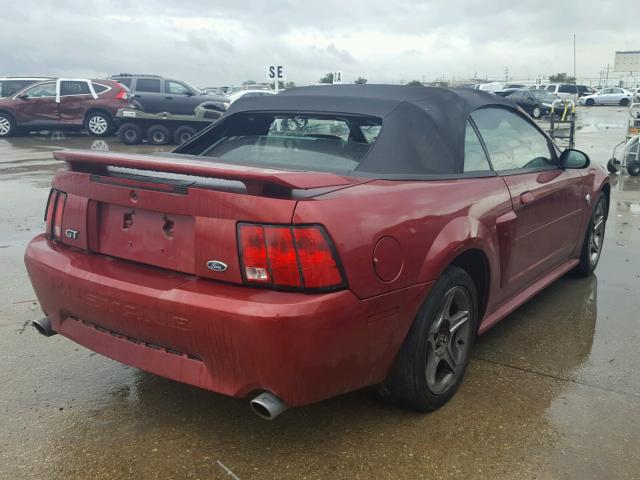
(226, 338)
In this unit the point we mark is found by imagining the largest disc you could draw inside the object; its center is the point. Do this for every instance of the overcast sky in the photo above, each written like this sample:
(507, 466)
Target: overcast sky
(214, 43)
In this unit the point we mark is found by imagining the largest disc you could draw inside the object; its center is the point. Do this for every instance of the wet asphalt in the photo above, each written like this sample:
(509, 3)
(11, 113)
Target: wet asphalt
(552, 392)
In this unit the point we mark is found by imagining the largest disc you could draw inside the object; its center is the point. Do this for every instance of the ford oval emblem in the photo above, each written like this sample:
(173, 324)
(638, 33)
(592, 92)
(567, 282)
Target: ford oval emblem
(216, 266)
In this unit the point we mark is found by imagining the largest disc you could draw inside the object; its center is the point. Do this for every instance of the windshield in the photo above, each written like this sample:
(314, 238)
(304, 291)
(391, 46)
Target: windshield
(543, 95)
(296, 141)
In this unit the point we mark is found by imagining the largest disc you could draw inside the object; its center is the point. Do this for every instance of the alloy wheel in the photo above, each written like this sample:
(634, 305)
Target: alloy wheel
(98, 125)
(5, 126)
(537, 113)
(597, 234)
(449, 340)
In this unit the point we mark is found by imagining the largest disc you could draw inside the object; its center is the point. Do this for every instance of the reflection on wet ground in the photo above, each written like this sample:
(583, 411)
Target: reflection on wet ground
(553, 391)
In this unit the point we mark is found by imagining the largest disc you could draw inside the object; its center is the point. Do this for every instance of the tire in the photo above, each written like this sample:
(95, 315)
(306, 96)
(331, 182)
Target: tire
(624, 102)
(98, 124)
(158, 135)
(182, 134)
(130, 134)
(589, 102)
(7, 125)
(537, 112)
(432, 360)
(592, 243)
(611, 165)
(633, 168)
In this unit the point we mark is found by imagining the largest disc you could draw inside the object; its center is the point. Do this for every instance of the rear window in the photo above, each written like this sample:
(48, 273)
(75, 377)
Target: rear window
(151, 85)
(99, 88)
(309, 142)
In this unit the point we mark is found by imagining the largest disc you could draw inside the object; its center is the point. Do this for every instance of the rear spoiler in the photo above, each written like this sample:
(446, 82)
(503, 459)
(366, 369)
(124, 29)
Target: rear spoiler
(253, 177)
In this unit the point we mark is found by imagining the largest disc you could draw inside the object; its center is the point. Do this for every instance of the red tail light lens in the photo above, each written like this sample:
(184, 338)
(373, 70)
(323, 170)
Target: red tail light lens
(297, 258)
(54, 211)
(122, 93)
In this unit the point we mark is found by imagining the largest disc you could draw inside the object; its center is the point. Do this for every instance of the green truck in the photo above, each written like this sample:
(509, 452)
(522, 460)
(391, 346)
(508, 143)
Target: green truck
(162, 128)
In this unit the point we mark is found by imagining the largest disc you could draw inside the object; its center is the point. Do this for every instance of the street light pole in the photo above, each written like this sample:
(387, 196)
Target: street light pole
(574, 59)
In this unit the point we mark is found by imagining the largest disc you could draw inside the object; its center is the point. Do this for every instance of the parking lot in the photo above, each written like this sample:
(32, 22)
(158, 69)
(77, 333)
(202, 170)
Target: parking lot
(553, 391)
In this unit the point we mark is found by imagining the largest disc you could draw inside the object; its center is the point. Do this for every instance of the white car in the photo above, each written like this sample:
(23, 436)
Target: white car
(608, 96)
(246, 93)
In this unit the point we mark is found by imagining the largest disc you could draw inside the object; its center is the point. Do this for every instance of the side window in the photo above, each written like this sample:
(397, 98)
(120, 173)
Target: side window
(606, 91)
(99, 88)
(551, 88)
(516, 96)
(567, 89)
(175, 88)
(41, 90)
(74, 88)
(475, 160)
(512, 142)
(151, 85)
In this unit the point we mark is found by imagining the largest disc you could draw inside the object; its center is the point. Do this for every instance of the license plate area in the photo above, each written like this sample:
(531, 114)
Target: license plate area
(154, 238)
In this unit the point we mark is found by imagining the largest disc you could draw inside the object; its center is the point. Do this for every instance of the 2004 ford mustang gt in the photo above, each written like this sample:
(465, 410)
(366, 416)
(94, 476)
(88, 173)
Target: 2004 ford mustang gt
(316, 242)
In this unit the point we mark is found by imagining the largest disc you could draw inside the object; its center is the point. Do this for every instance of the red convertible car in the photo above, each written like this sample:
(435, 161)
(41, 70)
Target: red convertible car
(316, 242)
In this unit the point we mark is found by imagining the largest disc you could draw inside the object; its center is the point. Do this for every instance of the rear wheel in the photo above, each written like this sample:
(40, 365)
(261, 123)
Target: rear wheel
(182, 134)
(624, 102)
(98, 124)
(593, 239)
(633, 168)
(589, 102)
(7, 125)
(158, 135)
(434, 356)
(130, 133)
(612, 166)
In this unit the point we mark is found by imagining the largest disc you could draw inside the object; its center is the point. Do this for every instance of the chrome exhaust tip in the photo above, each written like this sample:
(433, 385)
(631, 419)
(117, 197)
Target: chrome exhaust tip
(268, 406)
(43, 326)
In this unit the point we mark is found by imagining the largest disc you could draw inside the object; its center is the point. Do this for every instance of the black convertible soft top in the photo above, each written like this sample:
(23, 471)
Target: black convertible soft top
(423, 128)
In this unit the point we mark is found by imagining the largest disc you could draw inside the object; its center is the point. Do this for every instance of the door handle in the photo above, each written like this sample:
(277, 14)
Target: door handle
(527, 197)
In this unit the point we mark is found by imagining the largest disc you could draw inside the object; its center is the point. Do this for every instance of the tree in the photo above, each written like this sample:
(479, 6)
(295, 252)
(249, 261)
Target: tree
(562, 78)
(415, 83)
(249, 82)
(360, 81)
(328, 78)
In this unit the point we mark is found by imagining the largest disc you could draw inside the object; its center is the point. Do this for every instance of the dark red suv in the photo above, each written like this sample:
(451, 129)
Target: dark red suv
(64, 104)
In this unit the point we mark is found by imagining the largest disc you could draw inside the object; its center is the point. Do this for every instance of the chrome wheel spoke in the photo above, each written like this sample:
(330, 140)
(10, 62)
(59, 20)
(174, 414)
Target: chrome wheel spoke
(457, 320)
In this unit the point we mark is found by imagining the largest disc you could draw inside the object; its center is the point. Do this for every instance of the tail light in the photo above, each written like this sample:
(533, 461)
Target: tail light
(289, 257)
(53, 213)
(122, 94)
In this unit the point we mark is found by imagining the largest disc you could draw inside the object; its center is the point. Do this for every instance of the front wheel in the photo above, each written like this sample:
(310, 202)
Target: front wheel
(7, 125)
(593, 239)
(130, 134)
(612, 165)
(98, 124)
(434, 356)
(624, 102)
(590, 102)
(537, 112)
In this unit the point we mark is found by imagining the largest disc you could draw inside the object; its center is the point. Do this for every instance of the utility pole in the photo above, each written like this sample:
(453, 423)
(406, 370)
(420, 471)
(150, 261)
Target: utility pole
(506, 74)
(607, 80)
(575, 79)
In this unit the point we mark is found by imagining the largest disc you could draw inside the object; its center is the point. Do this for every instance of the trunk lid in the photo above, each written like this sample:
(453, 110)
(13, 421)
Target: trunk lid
(174, 211)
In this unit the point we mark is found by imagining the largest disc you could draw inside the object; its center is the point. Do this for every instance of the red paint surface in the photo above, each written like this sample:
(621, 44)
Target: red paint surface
(207, 329)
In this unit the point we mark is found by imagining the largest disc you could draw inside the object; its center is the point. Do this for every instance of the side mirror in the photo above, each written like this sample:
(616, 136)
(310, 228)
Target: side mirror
(189, 93)
(574, 159)
(23, 97)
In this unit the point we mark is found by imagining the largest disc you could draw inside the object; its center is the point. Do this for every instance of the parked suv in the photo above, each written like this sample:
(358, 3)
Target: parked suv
(157, 94)
(569, 90)
(64, 104)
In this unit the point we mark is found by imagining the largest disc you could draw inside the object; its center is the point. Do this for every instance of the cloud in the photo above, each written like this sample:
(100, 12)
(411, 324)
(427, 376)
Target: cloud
(221, 43)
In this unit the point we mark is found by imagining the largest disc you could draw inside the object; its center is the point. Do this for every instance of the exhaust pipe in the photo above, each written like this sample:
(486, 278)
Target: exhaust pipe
(43, 326)
(268, 406)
